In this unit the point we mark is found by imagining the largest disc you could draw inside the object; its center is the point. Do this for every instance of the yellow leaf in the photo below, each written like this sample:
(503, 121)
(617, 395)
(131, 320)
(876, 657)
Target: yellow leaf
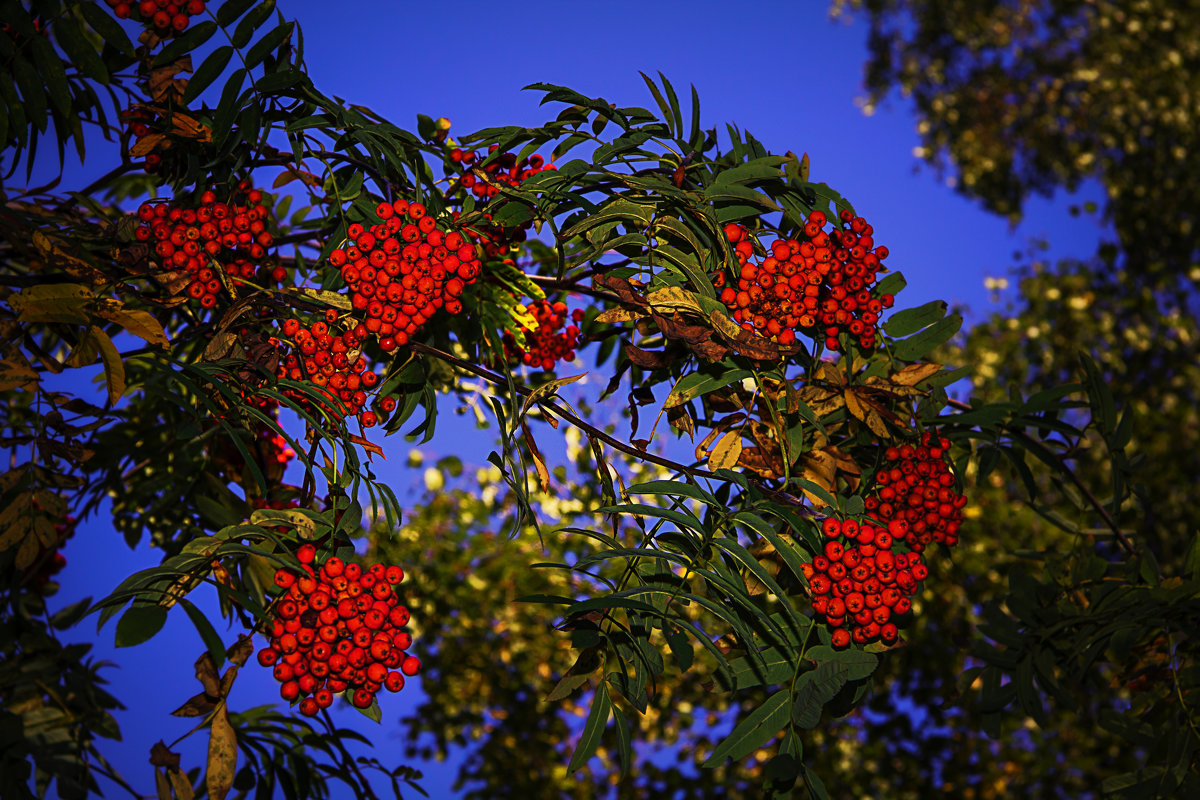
(675, 298)
(915, 373)
(16, 372)
(727, 452)
(55, 302)
(335, 299)
(144, 325)
(854, 406)
(146, 145)
(114, 368)
(267, 517)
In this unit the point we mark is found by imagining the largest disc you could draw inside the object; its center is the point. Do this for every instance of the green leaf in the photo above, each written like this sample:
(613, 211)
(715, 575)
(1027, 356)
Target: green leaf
(859, 663)
(371, 712)
(593, 729)
(681, 650)
(251, 22)
(696, 384)
(268, 44)
(757, 170)
(758, 728)
(230, 10)
(890, 284)
(33, 95)
(816, 688)
(139, 624)
(55, 77)
(624, 747)
(209, 635)
(209, 70)
(79, 49)
(195, 36)
(911, 320)
(771, 666)
(615, 209)
(918, 346)
(103, 23)
(724, 192)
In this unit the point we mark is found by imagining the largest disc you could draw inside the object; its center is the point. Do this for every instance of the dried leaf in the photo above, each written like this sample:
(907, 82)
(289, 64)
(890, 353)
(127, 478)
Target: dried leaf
(766, 464)
(241, 651)
(206, 673)
(142, 324)
(53, 302)
(647, 359)
(188, 127)
(538, 462)
(220, 345)
(370, 447)
(114, 368)
(915, 373)
(222, 756)
(199, 705)
(147, 144)
(619, 315)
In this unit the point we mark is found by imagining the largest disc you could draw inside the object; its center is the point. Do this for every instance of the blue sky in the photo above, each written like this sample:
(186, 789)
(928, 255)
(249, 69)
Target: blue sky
(781, 70)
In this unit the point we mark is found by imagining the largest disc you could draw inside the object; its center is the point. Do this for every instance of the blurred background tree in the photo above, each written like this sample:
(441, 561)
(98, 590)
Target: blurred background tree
(1014, 99)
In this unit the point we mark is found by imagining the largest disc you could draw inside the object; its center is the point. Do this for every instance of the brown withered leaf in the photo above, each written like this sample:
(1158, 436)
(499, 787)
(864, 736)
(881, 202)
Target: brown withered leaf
(162, 787)
(162, 84)
(623, 289)
(697, 337)
(539, 463)
(765, 463)
(173, 282)
(647, 359)
(200, 705)
(370, 447)
(292, 173)
(161, 756)
(206, 673)
(680, 418)
(241, 650)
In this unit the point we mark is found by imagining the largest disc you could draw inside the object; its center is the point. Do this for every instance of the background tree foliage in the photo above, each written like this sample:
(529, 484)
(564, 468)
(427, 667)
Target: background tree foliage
(1019, 98)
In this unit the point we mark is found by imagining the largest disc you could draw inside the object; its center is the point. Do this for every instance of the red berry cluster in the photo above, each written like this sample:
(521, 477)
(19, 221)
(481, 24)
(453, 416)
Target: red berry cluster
(339, 629)
(402, 270)
(168, 17)
(233, 235)
(333, 363)
(549, 341)
(917, 488)
(486, 182)
(859, 584)
(502, 170)
(821, 283)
